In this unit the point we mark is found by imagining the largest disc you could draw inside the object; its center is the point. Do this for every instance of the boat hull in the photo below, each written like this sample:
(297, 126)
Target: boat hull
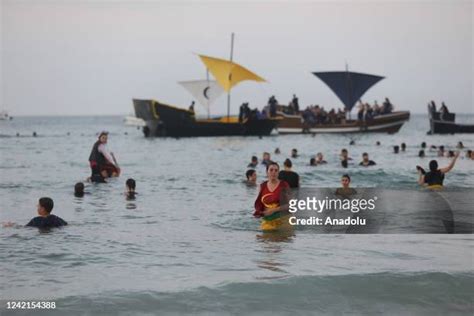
(447, 125)
(163, 120)
(388, 123)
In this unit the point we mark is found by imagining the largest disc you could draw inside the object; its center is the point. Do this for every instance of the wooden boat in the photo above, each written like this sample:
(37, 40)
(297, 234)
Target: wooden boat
(163, 120)
(349, 88)
(387, 123)
(445, 123)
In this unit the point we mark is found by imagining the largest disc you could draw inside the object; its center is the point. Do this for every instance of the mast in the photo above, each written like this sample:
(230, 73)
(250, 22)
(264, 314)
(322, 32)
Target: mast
(208, 110)
(230, 76)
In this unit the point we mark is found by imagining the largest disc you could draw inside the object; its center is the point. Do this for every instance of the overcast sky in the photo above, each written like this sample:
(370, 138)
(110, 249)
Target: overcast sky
(92, 57)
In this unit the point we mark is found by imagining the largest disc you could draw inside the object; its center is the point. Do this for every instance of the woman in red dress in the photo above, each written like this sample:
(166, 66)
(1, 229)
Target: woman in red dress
(272, 201)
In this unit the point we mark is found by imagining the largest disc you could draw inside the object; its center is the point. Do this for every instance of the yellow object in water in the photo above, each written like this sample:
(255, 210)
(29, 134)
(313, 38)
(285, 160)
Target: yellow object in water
(435, 187)
(280, 223)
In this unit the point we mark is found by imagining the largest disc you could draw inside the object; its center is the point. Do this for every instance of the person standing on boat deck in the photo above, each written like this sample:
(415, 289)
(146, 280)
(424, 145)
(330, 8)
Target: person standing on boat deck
(444, 111)
(102, 162)
(191, 107)
(296, 105)
(272, 103)
(435, 177)
(288, 175)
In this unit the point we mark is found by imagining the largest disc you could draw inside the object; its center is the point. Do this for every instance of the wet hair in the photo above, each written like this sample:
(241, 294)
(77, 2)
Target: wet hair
(441, 148)
(460, 145)
(396, 149)
(450, 153)
(343, 150)
(249, 173)
(377, 143)
(346, 176)
(421, 153)
(344, 163)
(254, 158)
(47, 203)
(365, 154)
(423, 145)
(288, 163)
(272, 163)
(79, 189)
(403, 146)
(433, 165)
(469, 152)
(352, 142)
(312, 162)
(130, 183)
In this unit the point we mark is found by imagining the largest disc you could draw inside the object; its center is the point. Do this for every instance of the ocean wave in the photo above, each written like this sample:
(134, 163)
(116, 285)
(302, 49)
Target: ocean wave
(388, 293)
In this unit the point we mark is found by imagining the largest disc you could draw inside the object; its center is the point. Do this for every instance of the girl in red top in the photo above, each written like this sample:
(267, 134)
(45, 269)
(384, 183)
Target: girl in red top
(272, 199)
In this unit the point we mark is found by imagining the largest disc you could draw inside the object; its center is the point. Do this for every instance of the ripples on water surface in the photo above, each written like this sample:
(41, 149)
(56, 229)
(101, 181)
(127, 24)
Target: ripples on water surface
(188, 243)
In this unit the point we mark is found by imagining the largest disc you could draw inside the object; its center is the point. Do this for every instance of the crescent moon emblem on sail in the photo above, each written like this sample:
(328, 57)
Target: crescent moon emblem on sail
(205, 92)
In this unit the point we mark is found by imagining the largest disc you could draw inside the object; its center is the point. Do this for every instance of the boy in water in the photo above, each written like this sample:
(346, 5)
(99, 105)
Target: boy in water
(366, 161)
(251, 176)
(45, 218)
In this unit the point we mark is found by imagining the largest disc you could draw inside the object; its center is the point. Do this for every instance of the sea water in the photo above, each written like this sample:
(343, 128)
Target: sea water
(188, 243)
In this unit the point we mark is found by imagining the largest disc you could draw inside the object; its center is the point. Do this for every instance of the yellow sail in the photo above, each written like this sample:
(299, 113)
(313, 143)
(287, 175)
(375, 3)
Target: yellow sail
(228, 73)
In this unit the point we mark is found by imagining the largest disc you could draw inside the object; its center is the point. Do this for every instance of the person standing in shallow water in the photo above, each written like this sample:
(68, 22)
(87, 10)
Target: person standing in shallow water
(101, 161)
(435, 177)
(271, 204)
(288, 175)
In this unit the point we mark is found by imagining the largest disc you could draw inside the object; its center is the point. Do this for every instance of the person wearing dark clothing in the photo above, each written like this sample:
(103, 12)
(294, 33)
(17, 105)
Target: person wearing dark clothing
(295, 102)
(435, 177)
(366, 162)
(102, 162)
(291, 177)
(45, 218)
(272, 102)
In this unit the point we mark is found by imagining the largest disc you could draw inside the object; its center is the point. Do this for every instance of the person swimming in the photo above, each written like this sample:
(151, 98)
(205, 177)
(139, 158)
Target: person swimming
(421, 153)
(277, 151)
(266, 159)
(403, 146)
(130, 186)
(45, 218)
(312, 162)
(396, 149)
(320, 159)
(294, 153)
(366, 161)
(272, 200)
(253, 162)
(79, 189)
(251, 176)
(435, 177)
(344, 155)
(423, 145)
(288, 175)
(345, 189)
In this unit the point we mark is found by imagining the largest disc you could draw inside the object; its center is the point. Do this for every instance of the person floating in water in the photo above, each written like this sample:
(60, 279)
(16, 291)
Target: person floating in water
(366, 161)
(272, 201)
(251, 176)
(291, 177)
(45, 218)
(434, 178)
(345, 190)
(102, 162)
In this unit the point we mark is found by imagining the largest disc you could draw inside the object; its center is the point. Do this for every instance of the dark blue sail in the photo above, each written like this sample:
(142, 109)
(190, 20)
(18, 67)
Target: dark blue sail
(348, 86)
